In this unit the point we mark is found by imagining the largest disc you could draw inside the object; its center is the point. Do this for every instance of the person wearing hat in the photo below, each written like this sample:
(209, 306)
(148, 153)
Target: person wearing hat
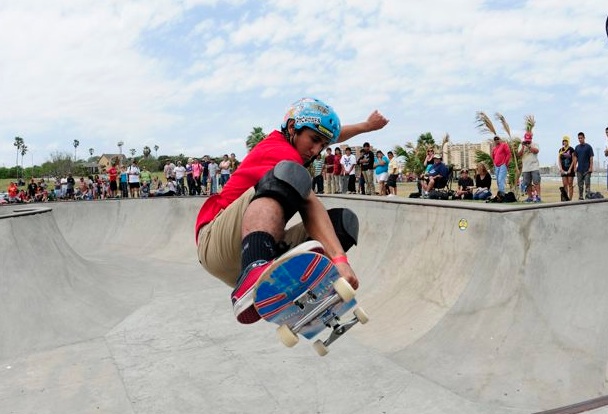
(566, 166)
(465, 186)
(437, 177)
(528, 152)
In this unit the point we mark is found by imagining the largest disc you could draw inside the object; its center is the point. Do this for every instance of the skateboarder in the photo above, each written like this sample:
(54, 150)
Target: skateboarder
(242, 230)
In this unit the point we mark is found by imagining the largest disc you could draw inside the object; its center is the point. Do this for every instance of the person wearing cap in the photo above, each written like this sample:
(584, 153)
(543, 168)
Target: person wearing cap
(501, 156)
(565, 157)
(437, 176)
(528, 153)
(465, 186)
(242, 231)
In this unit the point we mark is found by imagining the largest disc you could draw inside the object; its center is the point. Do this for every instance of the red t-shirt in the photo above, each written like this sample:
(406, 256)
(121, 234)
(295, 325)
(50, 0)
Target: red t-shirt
(264, 156)
(501, 154)
(112, 173)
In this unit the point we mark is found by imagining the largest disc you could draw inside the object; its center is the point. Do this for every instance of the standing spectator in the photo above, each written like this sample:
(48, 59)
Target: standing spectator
(64, 187)
(528, 152)
(483, 183)
(337, 174)
(197, 172)
(145, 177)
(501, 156)
(565, 158)
(465, 186)
(180, 172)
(381, 171)
(583, 161)
(134, 183)
(317, 179)
(168, 170)
(124, 182)
(328, 170)
(234, 163)
(224, 170)
(32, 187)
(189, 178)
(348, 162)
(393, 174)
(206, 177)
(366, 161)
(213, 176)
(70, 184)
(112, 176)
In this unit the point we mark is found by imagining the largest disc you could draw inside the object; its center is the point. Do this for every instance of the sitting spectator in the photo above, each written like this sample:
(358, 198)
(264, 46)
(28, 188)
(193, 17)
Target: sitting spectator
(41, 195)
(145, 189)
(465, 186)
(483, 182)
(437, 176)
(13, 193)
(170, 189)
(24, 197)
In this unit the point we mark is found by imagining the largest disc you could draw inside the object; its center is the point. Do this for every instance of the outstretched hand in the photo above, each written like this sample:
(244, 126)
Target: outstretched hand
(376, 121)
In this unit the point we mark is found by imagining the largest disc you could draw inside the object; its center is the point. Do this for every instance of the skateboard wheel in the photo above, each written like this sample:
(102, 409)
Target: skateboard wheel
(361, 316)
(320, 347)
(344, 290)
(286, 336)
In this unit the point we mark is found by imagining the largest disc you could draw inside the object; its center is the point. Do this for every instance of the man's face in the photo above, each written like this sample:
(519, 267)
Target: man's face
(581, 139)
(309, 143)
(366, 148)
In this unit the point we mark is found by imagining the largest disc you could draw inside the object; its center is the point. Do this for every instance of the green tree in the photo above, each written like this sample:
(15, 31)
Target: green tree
(414, 154)
(254, 137)
(18, 143)
(156, 147)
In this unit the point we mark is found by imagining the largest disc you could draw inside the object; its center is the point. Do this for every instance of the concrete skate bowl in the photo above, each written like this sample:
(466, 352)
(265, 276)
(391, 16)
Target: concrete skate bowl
(474, 309)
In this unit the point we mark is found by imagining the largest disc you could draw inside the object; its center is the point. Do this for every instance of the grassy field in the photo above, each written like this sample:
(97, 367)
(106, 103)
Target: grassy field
(550, 187)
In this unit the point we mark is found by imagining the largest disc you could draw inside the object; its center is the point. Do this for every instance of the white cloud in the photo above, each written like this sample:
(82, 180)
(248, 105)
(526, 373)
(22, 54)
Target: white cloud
(198, 75)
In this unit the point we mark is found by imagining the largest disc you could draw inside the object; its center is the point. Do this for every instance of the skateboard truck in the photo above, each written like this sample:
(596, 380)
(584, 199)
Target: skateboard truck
(344, 293)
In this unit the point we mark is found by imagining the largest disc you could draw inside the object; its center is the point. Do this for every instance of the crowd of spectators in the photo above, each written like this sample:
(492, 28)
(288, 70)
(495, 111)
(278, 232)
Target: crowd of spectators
(198, 177)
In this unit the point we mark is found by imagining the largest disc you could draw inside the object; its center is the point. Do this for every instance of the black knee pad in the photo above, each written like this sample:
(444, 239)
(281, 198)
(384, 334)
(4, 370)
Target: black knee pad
(346, 226)
(288, 183)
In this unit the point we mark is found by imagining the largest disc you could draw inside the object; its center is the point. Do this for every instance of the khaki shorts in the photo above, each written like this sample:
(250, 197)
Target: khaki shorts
(219, 242)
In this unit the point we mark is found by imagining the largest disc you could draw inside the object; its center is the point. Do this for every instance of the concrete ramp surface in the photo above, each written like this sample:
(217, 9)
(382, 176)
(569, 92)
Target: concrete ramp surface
(474, 308)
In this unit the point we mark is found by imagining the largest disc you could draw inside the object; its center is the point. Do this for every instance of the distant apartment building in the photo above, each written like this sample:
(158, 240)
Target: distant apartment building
(463, 155)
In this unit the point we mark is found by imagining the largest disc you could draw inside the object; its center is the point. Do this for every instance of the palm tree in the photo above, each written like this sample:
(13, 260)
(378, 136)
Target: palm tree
(120, 144)
(23, 152)
(76, 144)
(91, 151)
(18, 143)
(147, 151)
(132, 151)
(156, 147)
(254, 138)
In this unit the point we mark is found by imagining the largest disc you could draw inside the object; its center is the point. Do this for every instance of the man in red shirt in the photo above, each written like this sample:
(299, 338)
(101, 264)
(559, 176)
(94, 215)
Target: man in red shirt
(241, 231)
(501, 156)
(113, 176)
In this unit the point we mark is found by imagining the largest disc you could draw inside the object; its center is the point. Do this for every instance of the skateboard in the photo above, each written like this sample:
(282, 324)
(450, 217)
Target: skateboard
(304, 294)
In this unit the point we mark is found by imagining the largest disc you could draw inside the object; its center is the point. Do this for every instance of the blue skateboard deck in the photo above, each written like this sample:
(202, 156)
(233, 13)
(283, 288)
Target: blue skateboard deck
(296, 286)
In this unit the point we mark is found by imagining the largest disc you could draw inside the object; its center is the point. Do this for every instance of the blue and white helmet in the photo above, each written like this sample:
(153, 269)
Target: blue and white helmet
(316, 115)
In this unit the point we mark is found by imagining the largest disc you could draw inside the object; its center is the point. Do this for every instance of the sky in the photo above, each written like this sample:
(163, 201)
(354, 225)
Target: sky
(195, 76)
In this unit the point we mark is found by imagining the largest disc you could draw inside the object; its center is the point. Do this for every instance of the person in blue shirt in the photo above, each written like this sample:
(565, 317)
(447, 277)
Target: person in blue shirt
(381, 171)
(437, 175)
